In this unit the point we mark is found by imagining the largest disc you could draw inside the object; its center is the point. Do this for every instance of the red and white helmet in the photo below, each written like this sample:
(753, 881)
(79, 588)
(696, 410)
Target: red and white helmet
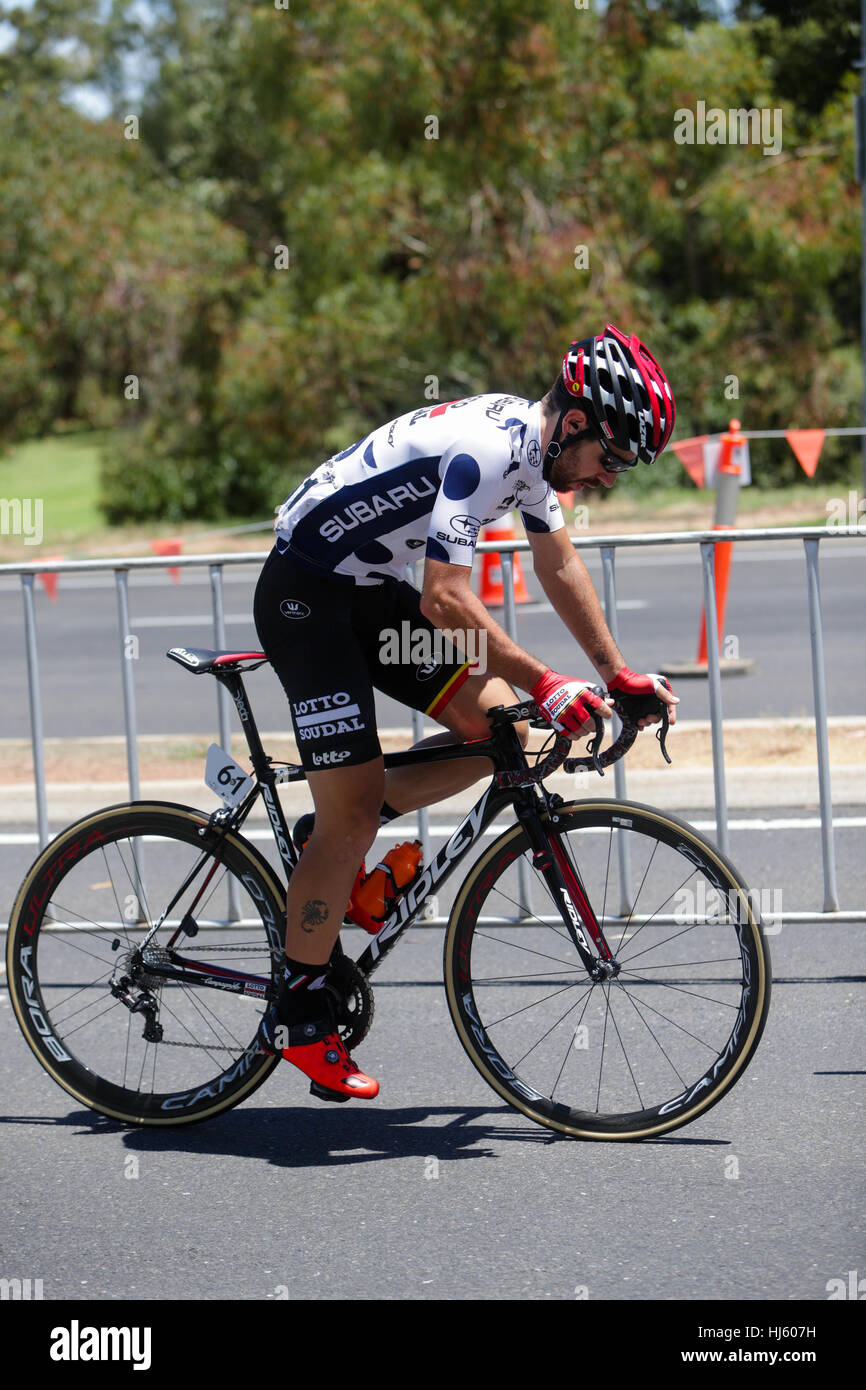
(627, 394)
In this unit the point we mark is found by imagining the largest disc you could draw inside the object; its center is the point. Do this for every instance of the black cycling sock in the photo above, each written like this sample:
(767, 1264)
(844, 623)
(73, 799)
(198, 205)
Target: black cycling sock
(388, 813)
(302, 996)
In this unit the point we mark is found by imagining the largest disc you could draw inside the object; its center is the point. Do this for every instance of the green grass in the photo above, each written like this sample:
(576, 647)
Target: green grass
(62, 471)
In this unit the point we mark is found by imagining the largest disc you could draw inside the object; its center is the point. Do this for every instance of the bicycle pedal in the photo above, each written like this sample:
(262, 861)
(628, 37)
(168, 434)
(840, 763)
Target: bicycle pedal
(323, 1093)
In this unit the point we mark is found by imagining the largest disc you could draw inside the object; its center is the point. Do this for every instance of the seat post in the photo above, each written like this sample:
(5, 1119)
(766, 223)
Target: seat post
(233, 683)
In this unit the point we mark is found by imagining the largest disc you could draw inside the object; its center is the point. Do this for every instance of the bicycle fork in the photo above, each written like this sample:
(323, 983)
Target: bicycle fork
(550, 858)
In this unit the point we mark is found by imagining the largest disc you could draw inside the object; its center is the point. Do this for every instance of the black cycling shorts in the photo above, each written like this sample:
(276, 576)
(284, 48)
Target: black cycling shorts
(330, 642)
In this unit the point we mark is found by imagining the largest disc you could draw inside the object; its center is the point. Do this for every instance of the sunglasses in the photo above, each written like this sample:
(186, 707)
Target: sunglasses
(612, 463)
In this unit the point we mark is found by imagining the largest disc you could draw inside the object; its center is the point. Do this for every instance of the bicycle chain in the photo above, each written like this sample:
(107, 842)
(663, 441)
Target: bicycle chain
(212, 1047)
(353, 1027)
(247, 951)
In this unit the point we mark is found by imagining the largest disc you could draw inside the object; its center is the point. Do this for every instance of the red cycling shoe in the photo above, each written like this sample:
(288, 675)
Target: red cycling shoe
(333, 1075)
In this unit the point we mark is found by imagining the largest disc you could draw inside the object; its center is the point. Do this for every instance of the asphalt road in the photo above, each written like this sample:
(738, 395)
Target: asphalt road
(436, 1190)
(659, 605)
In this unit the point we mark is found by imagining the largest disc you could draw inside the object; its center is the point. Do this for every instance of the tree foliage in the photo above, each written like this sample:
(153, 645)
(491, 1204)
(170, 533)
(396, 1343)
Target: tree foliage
(332, 212)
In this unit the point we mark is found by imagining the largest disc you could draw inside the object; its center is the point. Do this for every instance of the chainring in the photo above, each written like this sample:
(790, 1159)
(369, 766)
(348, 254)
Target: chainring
(355, 1014)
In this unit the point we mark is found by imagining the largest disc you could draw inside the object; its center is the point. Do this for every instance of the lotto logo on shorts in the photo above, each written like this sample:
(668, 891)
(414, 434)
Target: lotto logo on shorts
(326, 759)
(327, 715)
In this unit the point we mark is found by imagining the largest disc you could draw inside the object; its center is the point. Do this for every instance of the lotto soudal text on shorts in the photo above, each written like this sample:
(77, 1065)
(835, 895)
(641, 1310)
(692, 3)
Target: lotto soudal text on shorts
(323, 716)
(328, 663)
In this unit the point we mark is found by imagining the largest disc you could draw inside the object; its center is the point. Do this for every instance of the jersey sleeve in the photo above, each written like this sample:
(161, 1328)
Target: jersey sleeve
(543, 515)
(470, 491)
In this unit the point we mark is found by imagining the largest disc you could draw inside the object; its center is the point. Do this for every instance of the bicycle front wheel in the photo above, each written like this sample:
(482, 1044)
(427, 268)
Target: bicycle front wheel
(119, 1038)
(632, 1056)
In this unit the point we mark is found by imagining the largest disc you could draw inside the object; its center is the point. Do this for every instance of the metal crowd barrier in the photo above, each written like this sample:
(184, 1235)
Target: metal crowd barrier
(607, 545)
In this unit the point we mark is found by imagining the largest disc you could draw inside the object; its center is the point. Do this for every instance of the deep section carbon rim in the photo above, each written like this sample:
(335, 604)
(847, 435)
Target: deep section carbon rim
(631, 1056)
(81, 951)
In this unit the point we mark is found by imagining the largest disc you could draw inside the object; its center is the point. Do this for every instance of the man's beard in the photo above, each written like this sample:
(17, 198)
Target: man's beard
(559, 473)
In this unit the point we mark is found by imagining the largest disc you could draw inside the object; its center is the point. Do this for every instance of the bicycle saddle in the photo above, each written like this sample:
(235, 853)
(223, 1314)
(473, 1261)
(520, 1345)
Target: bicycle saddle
(200, 659)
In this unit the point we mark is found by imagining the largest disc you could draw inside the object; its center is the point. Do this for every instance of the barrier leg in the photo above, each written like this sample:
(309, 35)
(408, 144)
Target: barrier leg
(623, 846)
(35, 709)
(715, 685)
(819, 687)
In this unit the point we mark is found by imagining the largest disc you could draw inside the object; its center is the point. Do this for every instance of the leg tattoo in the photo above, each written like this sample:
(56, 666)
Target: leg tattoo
(313, 914)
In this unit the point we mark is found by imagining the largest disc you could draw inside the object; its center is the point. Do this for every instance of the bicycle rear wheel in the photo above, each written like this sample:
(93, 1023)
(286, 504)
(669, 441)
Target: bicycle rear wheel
(629, 1057)
(76, 933)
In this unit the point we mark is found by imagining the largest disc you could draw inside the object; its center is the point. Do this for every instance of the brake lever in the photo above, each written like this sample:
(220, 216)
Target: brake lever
(595, 742)
(662, 733)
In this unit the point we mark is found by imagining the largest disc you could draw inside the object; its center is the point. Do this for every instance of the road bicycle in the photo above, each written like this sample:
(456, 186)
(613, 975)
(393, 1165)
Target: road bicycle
(604, 964)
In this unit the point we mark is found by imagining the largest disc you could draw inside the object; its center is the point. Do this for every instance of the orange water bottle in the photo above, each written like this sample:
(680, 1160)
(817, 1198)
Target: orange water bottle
(373, 899)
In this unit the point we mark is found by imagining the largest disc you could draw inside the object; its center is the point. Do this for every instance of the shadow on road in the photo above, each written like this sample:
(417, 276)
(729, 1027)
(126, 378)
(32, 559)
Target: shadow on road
(304, 1136)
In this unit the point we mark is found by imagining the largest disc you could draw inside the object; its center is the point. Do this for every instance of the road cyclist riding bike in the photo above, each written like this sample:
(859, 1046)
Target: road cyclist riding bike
(425, 484)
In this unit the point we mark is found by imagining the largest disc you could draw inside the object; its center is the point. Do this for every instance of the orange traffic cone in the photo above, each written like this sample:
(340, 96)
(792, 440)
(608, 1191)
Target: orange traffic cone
(169, 547)
(48, 580)
(492, 592)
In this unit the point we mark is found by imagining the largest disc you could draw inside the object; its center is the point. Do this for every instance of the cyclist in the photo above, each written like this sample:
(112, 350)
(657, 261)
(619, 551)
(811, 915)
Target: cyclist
(335, 584)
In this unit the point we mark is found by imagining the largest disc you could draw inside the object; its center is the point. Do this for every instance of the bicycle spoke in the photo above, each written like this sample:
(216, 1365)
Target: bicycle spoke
(503, 979)
(68, 938)
(532, 1005)
(568, 1050)
(109, 1004)
(714, 960)
(525, 908)
(546, 1035)
(710, 1046)
(120, 916)
(656, 1027)
(160, 1035)
(609, 1008)
(669, 984)
(520, 947)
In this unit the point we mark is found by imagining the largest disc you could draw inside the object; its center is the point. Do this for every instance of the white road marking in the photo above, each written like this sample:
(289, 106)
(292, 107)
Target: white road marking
(188, 620)
(395, 832)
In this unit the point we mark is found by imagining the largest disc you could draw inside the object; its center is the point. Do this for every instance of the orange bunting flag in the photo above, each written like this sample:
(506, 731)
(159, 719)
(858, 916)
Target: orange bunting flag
(690, 453)
(169, 547)
(49, 580)
(807, 445)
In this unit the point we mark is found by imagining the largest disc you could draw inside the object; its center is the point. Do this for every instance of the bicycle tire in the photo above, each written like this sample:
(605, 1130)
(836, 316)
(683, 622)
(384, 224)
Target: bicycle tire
(493, 1012)
(66, 931)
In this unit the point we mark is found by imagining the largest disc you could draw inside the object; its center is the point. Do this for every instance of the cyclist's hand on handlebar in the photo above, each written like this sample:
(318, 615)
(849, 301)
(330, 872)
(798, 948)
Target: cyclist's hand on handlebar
(627, 682)
(568, 704)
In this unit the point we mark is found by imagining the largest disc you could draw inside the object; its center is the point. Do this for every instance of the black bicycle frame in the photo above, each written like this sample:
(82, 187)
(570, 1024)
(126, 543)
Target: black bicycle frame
(504, 750)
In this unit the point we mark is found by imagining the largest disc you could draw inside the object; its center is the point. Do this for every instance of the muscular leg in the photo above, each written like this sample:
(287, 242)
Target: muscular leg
(347, 801)
(407, 788)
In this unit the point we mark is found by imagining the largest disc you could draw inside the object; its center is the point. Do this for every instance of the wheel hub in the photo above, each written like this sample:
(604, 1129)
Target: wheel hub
(606, 970)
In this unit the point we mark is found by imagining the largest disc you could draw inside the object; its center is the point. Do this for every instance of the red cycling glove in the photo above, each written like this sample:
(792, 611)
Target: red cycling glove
(628, 682)
(566, 704)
